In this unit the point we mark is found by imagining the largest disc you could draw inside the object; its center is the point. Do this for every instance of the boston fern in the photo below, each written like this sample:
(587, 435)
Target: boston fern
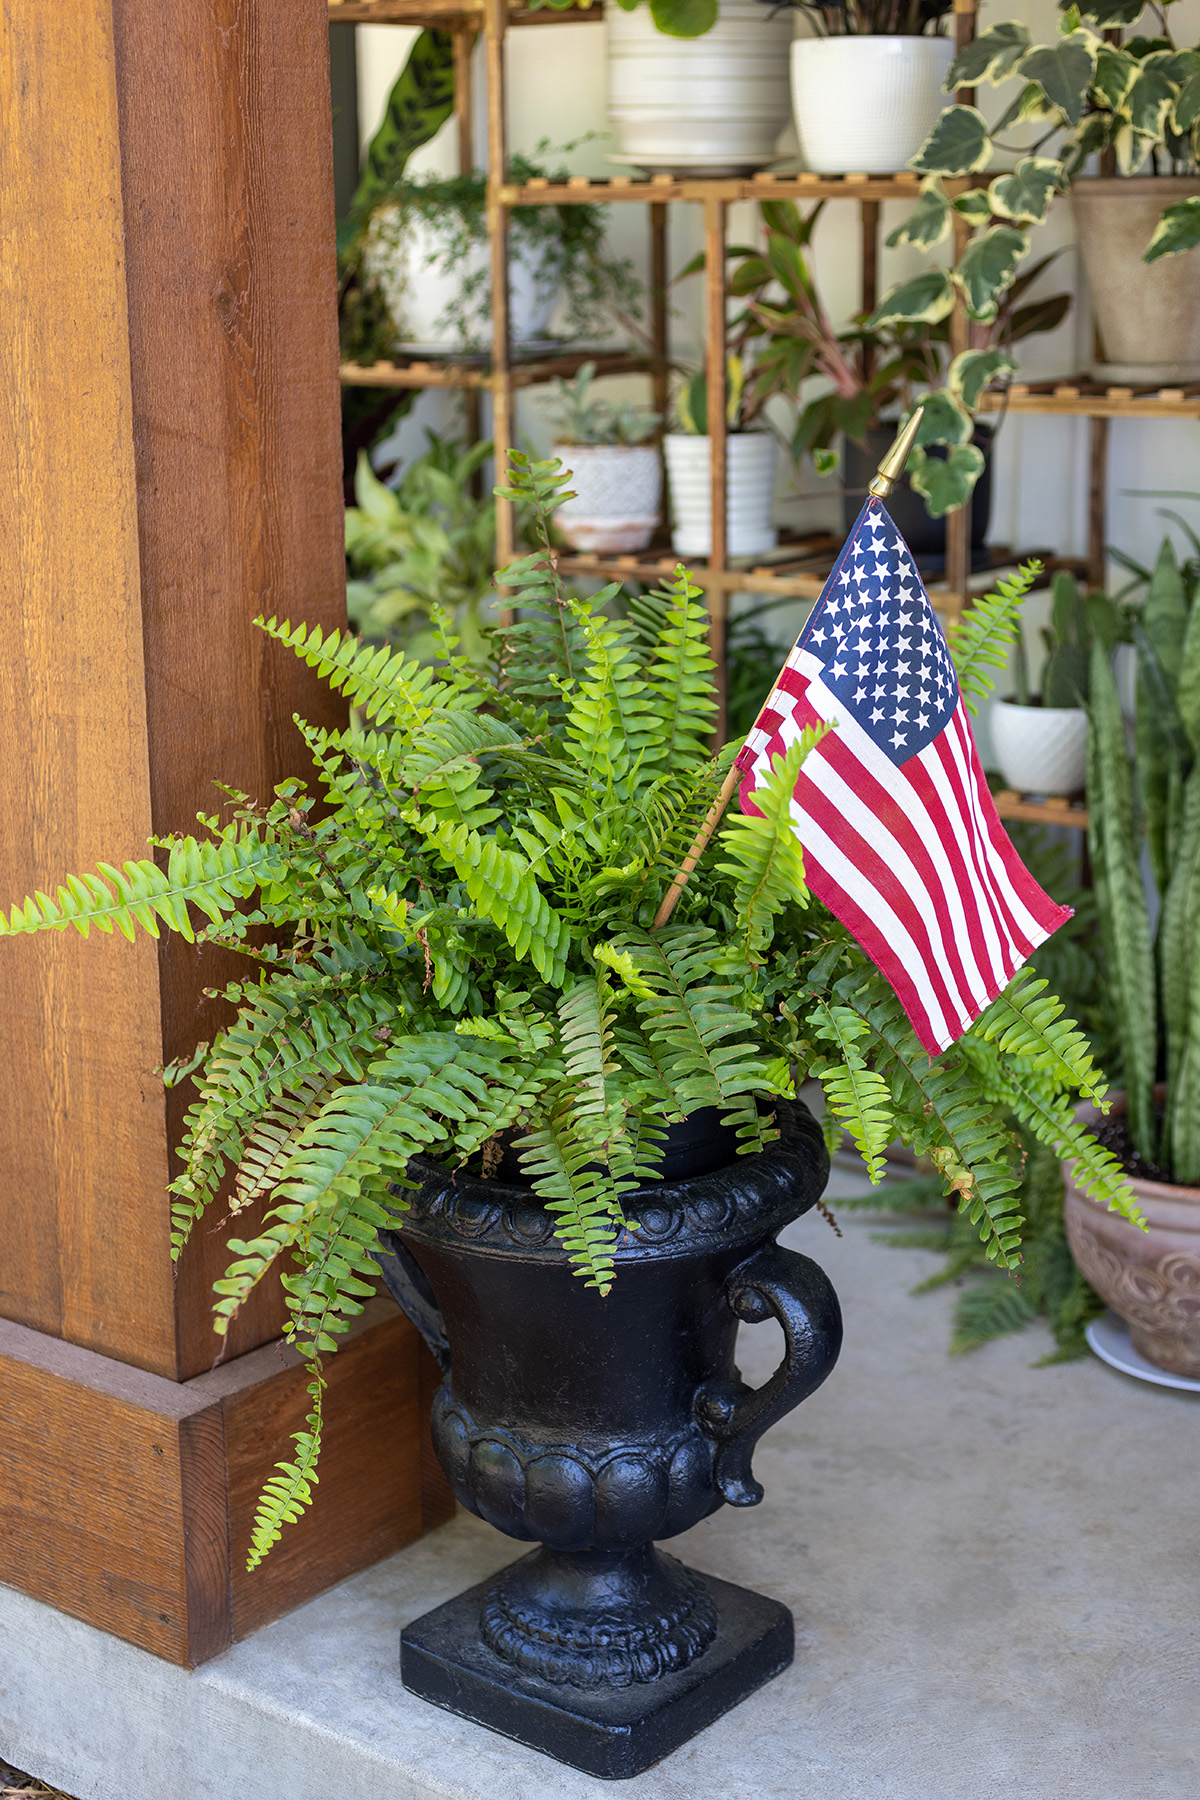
(452, 951)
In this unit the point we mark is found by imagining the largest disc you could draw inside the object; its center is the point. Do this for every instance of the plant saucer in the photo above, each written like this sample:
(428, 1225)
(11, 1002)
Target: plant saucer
(696, 167)
(1108, 1337)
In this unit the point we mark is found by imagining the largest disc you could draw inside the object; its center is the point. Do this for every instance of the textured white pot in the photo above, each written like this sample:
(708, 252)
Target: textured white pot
(419, 288)
(1040, 749)
(867, 104)
(709, 102)
(749, 491)
(618, 493)
(1148, 314)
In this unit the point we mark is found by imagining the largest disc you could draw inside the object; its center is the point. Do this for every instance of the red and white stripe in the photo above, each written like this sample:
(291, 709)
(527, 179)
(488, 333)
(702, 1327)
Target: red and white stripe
(912, 859)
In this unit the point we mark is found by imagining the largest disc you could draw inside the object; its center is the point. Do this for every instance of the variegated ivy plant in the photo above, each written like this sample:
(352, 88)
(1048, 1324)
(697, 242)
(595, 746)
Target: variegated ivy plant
(1083, 95)
(459, 952)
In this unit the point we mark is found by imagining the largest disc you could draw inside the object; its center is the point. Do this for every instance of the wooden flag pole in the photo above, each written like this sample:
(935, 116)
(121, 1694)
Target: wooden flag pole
(889, 473)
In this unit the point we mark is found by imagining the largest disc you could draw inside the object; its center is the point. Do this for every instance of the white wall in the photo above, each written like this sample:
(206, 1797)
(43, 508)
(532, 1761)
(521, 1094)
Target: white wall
(557, 90)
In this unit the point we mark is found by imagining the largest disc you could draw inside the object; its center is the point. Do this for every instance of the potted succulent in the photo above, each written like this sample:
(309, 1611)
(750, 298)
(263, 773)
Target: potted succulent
(749, 470)
(464, 1048)
(876, 369)
(617, 478)
(1139, 813)
(1138, 101)
(1040, 739)
(697, 85)
(867, 87)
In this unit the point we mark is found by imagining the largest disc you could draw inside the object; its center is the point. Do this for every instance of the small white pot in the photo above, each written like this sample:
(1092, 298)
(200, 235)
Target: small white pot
(618, 492)
(711, 102)
(1040, 749)
(420, 286)
(749, 491)
(867, 104)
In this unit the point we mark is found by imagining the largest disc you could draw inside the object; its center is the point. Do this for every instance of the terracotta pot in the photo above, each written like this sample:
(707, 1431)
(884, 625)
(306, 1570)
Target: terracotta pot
(1152, 1278)
(1148, 314)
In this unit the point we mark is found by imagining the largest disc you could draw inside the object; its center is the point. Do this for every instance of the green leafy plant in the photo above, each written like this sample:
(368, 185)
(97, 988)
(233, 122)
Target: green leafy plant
(422, 548)
(1077, 621)
(580, 416)
(1153, 805)
(878, 367)
(876, 18)
(1140, 98)
(453, 949)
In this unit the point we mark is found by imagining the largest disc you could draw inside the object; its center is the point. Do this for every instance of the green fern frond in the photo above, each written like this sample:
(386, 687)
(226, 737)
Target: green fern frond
(386, 684)
(502, 887)
(981, 640)
(607, 724)
(858, 1098)
(987, 1309)
(680, 677)
(693, 1015)
(763, 850)
(1028, 1022)
(947, 1118)
(211, 876)
(289, 1490)
(585, 1199)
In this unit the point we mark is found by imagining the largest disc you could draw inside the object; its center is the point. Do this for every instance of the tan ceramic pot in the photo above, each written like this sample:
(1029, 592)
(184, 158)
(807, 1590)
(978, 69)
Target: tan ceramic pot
(1148, 314)
(1152, 1278)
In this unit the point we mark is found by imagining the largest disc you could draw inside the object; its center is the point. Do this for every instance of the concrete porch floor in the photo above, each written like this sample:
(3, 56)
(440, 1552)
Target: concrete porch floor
(995, 1572)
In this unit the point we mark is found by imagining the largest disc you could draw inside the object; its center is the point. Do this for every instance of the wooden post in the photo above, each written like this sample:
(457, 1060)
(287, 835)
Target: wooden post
(868, 224)
(660, 367)
(1097, 501)
(170, 467)
(715, 214)
(495, 21)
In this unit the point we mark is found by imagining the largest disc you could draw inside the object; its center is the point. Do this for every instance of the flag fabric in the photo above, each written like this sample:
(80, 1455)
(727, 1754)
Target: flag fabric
(900, 835)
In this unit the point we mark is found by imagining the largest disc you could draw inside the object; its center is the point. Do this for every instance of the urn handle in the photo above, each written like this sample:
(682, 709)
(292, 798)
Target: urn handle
(800, 1295)
(410, 1288)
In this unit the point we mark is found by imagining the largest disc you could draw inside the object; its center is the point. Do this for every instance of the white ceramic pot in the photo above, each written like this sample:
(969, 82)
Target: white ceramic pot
(618, 493)
(749, 491)
(713, 102)
(421, 285)
(1147, 314)
(867, 104)
(1040, 749)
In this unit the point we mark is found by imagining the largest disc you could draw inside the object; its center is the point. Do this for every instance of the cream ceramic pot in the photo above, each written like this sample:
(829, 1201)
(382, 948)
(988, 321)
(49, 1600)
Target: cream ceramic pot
(867, 104)
(713, 102)
(1040, 749)
(618, 494)
(749, 490)
(1147, 314)
(420, 289)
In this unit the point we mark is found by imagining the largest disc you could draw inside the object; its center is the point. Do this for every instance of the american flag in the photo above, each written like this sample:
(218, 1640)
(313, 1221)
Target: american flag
(901, 839)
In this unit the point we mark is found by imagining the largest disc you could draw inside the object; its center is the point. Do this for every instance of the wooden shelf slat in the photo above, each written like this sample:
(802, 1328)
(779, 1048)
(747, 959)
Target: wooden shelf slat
(1054, 810)
(449, 13)
(804, 186)
(1082, 398)
(426, 372)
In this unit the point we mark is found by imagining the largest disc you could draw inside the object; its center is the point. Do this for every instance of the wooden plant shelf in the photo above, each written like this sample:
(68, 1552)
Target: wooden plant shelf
(1056, 810)
(1082, 398)
(450, 13)
(580, 190)
(441, 372)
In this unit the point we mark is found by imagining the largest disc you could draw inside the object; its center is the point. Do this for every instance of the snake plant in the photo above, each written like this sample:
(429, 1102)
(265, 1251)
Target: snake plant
(1153, 805)
(455, 952)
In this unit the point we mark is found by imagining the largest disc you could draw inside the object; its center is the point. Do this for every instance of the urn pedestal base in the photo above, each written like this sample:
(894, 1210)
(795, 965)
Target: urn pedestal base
(605, 1730)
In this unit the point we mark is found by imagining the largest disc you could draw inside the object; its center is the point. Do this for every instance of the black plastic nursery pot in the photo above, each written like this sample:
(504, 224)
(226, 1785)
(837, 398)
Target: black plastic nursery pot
(925, 537)
(594, 1426)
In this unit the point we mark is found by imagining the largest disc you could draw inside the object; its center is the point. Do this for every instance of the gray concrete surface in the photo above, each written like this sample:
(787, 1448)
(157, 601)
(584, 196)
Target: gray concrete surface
(994, 1570)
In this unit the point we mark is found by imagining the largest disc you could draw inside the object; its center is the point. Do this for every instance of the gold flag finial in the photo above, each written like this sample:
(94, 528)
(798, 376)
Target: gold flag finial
(892, 466)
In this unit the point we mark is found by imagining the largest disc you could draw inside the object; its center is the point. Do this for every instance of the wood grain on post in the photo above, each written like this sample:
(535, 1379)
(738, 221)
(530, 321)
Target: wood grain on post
(715, 214)
(498, 222)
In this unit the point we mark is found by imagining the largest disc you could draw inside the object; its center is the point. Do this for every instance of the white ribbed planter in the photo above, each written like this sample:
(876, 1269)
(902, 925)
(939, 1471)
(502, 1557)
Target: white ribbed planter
(1040, 749)
(419, 288)
(749, 491)
(867, 104)
(711, 102)
(618, 489)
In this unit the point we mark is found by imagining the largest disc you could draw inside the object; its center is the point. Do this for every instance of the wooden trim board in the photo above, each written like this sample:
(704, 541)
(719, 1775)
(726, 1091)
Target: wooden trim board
(127, 1499)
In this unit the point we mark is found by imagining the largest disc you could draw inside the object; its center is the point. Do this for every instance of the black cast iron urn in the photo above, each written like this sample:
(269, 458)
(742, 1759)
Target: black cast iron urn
(594, 1426)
